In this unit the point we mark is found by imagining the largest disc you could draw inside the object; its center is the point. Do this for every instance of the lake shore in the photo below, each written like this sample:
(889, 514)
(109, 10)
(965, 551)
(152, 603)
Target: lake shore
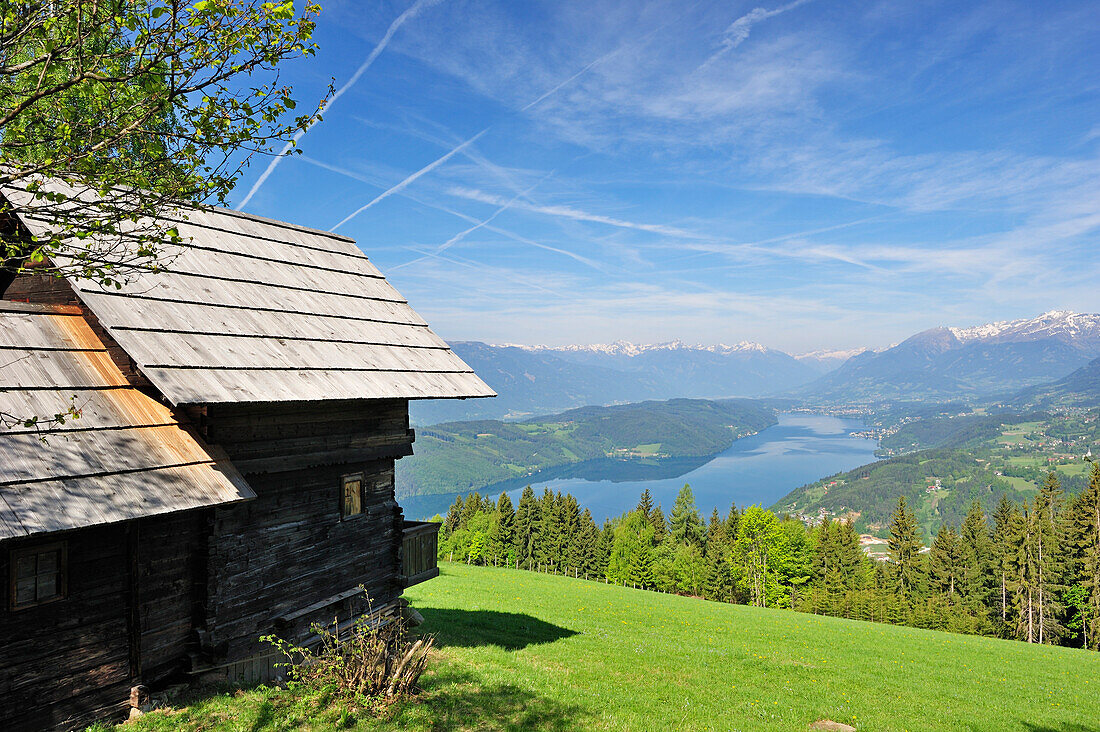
(757, 469)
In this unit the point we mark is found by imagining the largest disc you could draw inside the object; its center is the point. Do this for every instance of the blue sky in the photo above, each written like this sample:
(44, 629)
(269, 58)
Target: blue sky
(808, 175)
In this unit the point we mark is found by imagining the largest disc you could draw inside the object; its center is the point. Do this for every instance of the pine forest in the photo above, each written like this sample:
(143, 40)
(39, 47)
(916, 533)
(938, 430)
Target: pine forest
(1030, 571)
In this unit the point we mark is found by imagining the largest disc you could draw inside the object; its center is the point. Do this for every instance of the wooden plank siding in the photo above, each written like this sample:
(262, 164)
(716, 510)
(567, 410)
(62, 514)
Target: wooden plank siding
(70, 661)
(291, 548)
(419, 552)
(172, 572)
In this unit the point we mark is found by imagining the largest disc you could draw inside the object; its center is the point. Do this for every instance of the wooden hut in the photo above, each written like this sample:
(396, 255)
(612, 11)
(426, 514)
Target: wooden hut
(232, 474)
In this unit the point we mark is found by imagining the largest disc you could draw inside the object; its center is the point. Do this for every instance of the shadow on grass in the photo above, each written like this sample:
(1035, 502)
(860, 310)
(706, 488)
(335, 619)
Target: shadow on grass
(472, 628)
(458, 700)
(264, 717)
(1063, 727)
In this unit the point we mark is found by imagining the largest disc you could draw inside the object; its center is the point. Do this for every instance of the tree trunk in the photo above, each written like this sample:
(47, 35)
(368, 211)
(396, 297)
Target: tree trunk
(1030, 618)
(1004, 598)
(1042, 619)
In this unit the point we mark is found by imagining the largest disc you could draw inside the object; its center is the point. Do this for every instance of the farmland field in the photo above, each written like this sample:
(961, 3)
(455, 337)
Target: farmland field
(525, 651)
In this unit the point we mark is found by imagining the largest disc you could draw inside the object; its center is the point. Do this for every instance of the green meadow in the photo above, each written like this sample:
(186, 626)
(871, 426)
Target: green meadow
(524, 651)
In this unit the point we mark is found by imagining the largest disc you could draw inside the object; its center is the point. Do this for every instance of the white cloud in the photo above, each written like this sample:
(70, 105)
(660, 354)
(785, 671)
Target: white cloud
(738, 31)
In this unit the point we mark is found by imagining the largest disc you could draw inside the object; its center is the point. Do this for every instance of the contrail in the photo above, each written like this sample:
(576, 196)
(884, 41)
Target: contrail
(738, 31)
(404, 184)
(572, 213)
(463, 234)
(506, 274)
(411, 12)
(477, 225)
(567, 81)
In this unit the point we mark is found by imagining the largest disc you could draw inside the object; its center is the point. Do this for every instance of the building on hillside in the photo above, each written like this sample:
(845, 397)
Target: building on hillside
(231, 475)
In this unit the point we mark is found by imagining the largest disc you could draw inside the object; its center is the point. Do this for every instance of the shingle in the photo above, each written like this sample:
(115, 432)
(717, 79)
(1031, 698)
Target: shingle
(250, 309)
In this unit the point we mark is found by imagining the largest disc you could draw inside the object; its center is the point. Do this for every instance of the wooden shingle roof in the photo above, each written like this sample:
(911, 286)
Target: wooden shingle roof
(255, 310)
(127, 456)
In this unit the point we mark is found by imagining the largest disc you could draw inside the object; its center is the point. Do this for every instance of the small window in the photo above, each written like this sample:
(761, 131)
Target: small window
(353, 495)
(37, 575)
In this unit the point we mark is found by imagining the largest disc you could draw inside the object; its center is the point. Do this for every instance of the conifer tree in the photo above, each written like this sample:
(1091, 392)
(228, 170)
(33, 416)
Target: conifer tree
(716, 582)
(1049, 533)
(527, 528)
(570, 518)
(733, 520)
(850, 558)
(945, 562)
(1085, 541)
(977, 570)
(471, 509)
(836, 561)
(603, 549)
(1003, 550)
(645, 503)
(684, 523)
(660, 528)
(587, 545)
(1023, 572)
(548, 547)
(904, 549)
(502, 531)
(824, 566)
(454, 516)
(632, 557)
(642, 561)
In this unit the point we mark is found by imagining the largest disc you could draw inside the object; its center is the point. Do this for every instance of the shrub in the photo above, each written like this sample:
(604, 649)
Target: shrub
(376, 659)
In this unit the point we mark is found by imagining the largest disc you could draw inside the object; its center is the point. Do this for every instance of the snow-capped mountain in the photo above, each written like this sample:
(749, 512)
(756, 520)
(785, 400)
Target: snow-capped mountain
(628, 349)
(940, 364)
(546, 379)
(959, 363)
(1081, 330)
(827, 359)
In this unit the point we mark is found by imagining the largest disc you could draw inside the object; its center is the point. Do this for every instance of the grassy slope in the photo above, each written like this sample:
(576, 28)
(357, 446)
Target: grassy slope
(526, 651)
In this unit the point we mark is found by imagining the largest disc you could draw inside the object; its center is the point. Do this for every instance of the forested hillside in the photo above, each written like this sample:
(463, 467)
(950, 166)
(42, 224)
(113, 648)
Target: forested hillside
(464, 456)
(940, 484)
(1027, 570)
(969, 458)
(962, 431)
(1079, 389)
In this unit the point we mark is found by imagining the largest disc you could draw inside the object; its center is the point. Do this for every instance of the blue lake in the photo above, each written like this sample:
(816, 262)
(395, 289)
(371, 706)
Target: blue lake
(755, 470)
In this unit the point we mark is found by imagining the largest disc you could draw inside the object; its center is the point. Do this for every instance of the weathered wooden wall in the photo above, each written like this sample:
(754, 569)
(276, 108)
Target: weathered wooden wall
(171, 563)
(30, 287)
(290, 549)
(69, 658)
(72, 660)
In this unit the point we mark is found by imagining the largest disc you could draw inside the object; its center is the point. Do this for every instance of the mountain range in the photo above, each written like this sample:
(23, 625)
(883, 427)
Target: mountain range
(995, 360)
(1079, 389)
(542, 379)
(965, 363)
